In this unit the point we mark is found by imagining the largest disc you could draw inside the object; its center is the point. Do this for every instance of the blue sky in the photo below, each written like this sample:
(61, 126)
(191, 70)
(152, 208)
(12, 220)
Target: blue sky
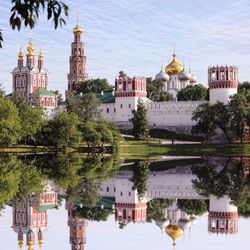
(134, 36)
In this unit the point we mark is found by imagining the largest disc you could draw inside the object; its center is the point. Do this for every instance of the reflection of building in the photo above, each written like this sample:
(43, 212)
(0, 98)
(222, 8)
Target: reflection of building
(31, 218)
(32, 81)
(170, 184)
(77, 228)
(128, 205)
(177, 222)
(223, 216)
(77, 63)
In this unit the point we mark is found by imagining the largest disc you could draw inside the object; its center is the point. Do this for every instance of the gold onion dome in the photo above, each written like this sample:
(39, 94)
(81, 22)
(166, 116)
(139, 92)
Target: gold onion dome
(20, 54)
(20, 244)
(40, 55)
(174, 68)
(174, 232)
(77, 29)
(40, 244)
(30, 50)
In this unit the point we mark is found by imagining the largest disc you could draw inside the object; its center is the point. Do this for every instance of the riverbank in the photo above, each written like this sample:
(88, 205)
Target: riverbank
(133, 149)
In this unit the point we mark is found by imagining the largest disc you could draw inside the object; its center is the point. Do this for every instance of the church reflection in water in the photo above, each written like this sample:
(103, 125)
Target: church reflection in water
(30, 218)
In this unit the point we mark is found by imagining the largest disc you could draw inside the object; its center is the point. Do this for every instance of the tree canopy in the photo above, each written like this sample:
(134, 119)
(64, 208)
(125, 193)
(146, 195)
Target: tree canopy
(197, 92)
(10, 128)
(93, 86)
(27, 13)
(85, 106)
(155, 91)
(140, 122)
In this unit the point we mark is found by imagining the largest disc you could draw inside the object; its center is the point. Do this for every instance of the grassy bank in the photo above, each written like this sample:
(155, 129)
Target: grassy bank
(132, 149)
(166, 134)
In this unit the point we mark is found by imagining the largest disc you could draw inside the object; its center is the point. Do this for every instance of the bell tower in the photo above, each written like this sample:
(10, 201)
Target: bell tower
(77, 63)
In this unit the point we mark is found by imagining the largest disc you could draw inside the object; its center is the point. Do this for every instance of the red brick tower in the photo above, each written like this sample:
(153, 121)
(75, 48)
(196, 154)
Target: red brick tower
(77, 63)
(77, 228)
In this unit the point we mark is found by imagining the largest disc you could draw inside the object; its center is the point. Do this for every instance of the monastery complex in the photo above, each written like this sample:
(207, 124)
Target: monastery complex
(32, 81)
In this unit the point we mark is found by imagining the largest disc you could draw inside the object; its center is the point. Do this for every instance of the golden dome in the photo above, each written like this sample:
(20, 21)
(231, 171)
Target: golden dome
(174, 68)
(30, 50)
(40, 56)
(20, 244)
(30, 245)
(77, 29)
(174, 232)
(20, 54)
(40, 244)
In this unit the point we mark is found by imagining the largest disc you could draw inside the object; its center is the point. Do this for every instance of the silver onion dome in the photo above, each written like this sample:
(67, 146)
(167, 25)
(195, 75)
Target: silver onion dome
(162, 76)
(184, 76)
(193, 79)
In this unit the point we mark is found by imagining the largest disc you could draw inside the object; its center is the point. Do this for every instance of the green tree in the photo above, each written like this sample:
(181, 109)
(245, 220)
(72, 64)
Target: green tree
(240, 112)
(61, 131)
(222, 119)
(155, 209)
(122, 74)
(10, 129)
(140, 122)
(27, 13)
(155, 91)
(196, 207)
(85, 106)
(62, 168)
(204, 117)
(9, 179)
(93, 213)
(140, 177)
(93, 86)
(106, 134)
(195, 92)
(31, 118)
(89, 133)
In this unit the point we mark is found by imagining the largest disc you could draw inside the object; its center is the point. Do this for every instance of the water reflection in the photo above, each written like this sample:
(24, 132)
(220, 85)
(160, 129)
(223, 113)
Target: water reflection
(171, 195)
(30, 218)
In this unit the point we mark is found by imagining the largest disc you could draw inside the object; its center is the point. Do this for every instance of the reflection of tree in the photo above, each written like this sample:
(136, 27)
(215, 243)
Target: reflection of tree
(18, 180)
(95, 169)
(140, 177)
(155, 209)
(93, 213)
(232, 180)
(61, 168)
(196, 207)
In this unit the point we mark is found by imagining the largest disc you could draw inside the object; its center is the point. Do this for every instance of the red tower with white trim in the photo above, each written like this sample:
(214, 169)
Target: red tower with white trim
(128, 91)
(223, 216)
(77, 63)
(222, 82)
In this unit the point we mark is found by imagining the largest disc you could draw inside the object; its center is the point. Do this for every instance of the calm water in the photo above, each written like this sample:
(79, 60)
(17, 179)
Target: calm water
(78, 202)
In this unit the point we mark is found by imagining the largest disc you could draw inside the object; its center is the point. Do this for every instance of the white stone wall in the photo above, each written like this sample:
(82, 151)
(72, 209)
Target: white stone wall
(108, 111)
(221, 94)
(167, 114)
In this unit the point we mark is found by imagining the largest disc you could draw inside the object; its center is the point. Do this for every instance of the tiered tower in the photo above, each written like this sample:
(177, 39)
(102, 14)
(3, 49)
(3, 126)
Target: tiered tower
(77, 63)
(77, 227)
(222, 82)
(223, 216)
(31, 218)
(128, 91)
